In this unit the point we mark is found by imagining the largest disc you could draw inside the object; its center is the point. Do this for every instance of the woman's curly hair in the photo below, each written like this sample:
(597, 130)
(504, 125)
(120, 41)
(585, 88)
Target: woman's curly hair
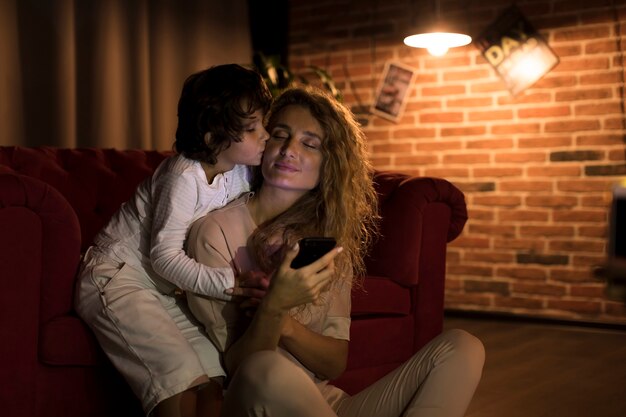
(218, 101)
(344, 204)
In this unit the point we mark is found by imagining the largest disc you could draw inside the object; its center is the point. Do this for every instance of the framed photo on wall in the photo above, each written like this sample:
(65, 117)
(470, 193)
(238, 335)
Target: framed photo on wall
(392, 90)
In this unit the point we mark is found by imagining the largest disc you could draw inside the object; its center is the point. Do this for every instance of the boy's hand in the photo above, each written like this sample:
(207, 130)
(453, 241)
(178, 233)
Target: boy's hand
(251, 284)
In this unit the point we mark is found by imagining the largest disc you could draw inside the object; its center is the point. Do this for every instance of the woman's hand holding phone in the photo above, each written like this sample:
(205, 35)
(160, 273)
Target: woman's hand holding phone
(291, 287)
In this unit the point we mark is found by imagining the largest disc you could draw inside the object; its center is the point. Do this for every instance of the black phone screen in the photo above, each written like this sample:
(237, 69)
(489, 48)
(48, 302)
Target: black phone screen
(311, 249)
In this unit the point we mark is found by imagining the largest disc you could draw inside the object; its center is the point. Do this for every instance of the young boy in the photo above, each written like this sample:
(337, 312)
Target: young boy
(127, 286)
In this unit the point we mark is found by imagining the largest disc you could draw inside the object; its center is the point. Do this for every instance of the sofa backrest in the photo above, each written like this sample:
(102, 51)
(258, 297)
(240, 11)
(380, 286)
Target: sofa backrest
(97, 181)
(94, 181)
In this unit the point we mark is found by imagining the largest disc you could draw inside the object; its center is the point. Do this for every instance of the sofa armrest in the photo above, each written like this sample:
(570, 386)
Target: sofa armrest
(407, 206)
(50, 235)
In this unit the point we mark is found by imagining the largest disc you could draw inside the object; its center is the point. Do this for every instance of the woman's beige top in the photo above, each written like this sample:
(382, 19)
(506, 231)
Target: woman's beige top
(220, 239)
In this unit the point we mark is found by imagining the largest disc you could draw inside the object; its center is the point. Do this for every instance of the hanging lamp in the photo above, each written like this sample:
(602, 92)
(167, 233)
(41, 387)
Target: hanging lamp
(437, 37)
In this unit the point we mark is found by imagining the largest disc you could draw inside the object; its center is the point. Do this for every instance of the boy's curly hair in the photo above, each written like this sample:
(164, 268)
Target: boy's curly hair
(217, 101)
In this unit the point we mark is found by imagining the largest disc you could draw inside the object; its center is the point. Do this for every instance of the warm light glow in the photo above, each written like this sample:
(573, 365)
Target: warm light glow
(437, 43)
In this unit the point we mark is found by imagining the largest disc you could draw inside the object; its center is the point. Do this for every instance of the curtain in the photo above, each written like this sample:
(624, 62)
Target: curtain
(108, 73)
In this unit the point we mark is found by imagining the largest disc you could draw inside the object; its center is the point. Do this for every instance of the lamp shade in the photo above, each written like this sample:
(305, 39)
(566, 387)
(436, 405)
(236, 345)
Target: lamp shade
(436, 34)
(437, 43)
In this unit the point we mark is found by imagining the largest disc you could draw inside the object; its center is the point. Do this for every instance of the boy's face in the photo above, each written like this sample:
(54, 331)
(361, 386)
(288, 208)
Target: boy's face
(249, 150)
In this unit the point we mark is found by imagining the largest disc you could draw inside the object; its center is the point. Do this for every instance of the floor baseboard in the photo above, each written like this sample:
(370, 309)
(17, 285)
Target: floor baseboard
(501, 316)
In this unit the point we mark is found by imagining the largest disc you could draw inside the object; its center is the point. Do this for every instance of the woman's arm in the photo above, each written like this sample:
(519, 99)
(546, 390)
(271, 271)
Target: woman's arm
(325, 356)
(289, 288)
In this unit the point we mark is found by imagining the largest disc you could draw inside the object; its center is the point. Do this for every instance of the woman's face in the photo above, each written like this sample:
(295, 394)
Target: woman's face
(293, 154)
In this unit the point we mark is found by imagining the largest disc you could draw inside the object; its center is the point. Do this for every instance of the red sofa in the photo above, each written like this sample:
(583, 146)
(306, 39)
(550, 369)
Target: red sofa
(52, 203)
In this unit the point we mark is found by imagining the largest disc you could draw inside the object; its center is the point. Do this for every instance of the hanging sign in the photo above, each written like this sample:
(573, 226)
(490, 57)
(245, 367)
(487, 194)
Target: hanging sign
(516, 50)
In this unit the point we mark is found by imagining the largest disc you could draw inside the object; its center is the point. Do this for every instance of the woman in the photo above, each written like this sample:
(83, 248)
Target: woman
(316, 181)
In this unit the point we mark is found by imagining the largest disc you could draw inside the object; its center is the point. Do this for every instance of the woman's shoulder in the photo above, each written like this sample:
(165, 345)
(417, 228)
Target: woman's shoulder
(222, 220)
(237, 208)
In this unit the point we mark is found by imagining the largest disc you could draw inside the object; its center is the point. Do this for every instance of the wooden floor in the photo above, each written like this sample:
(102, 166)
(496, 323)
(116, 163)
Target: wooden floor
(547, 370)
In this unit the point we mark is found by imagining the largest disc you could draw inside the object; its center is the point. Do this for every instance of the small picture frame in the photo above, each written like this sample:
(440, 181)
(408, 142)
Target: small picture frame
(393, 90)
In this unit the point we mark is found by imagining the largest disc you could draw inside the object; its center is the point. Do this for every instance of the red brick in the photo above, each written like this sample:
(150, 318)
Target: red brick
(478, 214)
(614, 123)
(524, 215)
(476, 116)
(581, 33)
(412, 133)
(592, 231)
(463, 131)
(526, 98)
(491, 230)
(489, 257)
(601, 78)
(588, 261)
(439, 145)
(443, 91)
(422, 159)
(546, 231)
(579, 216)
(595, 109)
(552, 201)
(580, 94)
(582, 64)
(572, 126)
(576, 246)
(479, 158)
(521, 157)
(519, 302)
(533, 186)
(519, 244)
(469, 102)
(470, 242)
(571, 275)
(441, 117)
(497, 172)
(617, 155)
(529, 273)
(471, 270)
(447, 172)
(599, 140)
(538, 288)
(498, 200)
(545, 142)
(554, 171)
(490, 144)
(588, 291)
(516, 128)
(416, 106)
(544, 112)
(391, 148)
(584, 186)
(466, 75)
(556, 81)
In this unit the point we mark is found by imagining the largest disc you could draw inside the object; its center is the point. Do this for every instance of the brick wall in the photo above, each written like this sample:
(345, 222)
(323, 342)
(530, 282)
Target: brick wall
(536, 169)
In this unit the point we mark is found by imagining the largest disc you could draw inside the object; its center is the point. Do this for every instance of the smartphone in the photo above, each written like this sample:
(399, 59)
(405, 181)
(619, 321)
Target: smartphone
(311, 249)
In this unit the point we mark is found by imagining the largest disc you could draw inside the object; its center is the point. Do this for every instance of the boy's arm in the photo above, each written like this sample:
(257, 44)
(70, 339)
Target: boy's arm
(174, 205)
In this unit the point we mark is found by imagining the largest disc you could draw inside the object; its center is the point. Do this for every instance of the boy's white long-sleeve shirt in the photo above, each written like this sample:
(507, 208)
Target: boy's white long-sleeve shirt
(149, 231)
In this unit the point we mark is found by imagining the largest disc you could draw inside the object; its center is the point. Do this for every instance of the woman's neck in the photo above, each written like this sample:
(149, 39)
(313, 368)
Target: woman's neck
(269, 202)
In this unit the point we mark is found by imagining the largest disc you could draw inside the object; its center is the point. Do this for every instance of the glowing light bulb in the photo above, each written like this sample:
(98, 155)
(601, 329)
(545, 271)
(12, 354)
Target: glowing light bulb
(437, 43)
